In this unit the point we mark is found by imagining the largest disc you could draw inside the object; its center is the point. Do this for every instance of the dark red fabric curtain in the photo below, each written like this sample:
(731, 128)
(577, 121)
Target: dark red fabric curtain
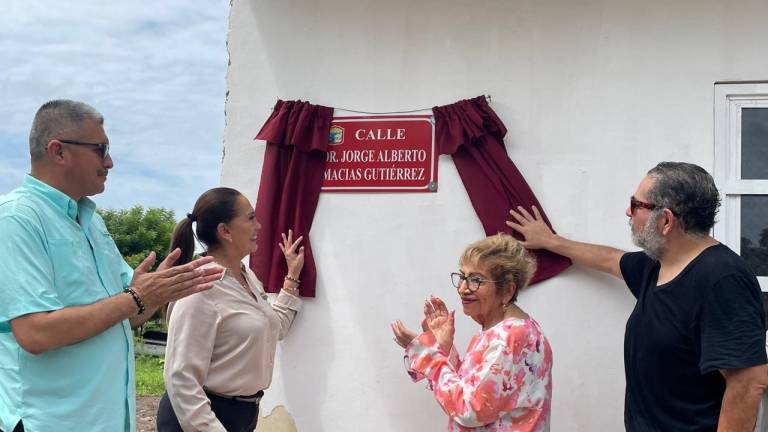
(294, 161)
(472, 133)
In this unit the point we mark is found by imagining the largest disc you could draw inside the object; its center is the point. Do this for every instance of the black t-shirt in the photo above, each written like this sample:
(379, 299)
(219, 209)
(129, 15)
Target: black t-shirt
(681, 333)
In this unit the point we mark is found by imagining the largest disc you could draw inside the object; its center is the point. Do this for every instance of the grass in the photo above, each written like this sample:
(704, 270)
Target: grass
(149, 375)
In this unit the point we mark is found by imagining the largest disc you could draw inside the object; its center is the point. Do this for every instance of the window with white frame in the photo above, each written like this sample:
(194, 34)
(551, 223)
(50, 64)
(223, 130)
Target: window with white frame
(741, 171)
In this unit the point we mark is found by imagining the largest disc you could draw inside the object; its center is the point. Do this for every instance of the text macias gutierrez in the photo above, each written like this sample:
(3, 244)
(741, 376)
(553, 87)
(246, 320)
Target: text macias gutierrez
(374, 174)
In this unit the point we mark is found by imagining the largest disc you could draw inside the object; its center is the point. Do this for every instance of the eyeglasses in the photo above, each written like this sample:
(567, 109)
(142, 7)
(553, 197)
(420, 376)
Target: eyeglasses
(101, 148)
(635, 203)
(473, 282)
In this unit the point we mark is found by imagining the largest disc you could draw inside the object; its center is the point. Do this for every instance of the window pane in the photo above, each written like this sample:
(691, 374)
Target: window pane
(754, 232)
(754, 143)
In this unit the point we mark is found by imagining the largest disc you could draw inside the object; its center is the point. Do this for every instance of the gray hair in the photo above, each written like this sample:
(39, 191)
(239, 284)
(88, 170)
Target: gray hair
(56, 117)
(689, 192)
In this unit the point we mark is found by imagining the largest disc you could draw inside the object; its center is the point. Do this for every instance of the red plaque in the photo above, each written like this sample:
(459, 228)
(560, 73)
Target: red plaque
(381, 154)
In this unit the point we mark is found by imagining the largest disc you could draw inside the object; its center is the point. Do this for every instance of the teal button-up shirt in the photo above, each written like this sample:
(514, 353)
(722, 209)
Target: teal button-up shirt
(49, 261)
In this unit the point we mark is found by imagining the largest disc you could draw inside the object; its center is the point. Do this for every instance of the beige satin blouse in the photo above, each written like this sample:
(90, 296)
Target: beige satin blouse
(222, 340)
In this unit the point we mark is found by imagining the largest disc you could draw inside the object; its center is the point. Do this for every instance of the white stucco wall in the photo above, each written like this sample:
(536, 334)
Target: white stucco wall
(594, 93)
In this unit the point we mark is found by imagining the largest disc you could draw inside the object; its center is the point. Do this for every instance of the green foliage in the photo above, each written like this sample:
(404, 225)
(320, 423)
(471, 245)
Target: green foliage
(158, 324)
(149, 375)
(138, 232)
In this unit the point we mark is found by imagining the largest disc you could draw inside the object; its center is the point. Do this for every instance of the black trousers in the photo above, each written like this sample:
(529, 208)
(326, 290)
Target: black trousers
(236, 416)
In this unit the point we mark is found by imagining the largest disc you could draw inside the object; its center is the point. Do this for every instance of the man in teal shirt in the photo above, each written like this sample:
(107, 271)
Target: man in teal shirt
(68, 298)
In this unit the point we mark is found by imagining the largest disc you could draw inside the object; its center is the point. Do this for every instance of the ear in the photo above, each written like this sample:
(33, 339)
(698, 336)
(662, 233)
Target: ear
(511, 290)
(668, 220)
(55, 150)
(223, 232)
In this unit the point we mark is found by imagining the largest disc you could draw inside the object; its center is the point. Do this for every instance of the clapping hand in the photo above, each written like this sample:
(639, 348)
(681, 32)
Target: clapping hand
(440, 322)
(403, 335)
(294, 255)
(169, 283)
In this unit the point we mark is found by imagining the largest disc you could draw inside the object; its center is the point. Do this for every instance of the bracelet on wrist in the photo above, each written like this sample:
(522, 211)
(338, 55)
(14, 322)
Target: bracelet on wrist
(292, 279)
(136, 299)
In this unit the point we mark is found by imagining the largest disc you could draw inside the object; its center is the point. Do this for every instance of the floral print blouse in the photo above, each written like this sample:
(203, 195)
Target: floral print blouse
(503, 384)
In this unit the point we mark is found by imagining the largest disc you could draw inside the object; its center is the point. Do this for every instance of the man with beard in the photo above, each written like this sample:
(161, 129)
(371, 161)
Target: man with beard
(694, 347)
(68, 299)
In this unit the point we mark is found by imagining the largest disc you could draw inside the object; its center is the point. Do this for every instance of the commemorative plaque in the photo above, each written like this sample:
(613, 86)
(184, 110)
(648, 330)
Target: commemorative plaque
(381, 154)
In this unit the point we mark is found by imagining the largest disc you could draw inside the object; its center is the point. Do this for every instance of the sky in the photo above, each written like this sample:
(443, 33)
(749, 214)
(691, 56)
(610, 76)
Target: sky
(154, 69)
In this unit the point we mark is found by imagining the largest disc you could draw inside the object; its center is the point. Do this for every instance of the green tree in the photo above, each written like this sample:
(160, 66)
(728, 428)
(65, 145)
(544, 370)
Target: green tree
(137, 232)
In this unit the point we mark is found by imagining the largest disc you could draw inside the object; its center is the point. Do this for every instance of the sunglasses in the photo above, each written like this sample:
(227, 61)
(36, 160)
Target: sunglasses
(635, 203)
(101, 148)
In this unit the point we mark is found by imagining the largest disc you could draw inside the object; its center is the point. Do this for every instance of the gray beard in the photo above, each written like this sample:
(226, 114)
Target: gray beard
(649, 239)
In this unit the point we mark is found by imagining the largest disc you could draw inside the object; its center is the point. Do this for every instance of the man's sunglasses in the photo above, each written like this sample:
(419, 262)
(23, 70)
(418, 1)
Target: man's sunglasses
(101, 148)
(634, 204)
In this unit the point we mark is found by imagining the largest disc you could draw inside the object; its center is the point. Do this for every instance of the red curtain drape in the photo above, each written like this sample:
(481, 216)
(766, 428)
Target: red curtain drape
(297, 139)
(294, 161)
(472, 133)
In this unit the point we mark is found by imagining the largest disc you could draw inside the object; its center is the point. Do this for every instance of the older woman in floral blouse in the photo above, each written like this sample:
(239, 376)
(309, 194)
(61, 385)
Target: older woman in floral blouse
(504, 382)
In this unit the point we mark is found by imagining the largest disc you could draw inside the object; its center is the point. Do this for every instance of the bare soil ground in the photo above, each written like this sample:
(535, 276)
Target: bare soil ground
(146, 408)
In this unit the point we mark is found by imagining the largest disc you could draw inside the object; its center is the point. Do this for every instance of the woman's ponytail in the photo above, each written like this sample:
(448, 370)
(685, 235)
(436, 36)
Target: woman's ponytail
(184, 239)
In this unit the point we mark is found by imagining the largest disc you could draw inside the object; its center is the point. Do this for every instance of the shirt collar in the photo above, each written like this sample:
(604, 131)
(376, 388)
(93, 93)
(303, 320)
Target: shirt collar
(84, 208)
(226, 269)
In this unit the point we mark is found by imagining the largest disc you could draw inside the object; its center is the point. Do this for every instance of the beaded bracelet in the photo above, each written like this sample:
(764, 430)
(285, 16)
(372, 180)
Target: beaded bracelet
(292, 279)
(136, 299)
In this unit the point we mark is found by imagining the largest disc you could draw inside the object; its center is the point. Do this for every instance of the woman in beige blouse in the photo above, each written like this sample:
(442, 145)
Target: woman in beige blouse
(221, 342)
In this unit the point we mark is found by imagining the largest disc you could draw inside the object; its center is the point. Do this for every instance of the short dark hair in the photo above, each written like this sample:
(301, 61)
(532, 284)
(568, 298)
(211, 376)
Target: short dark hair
(688, 191)
(56, 117)
(214, 206)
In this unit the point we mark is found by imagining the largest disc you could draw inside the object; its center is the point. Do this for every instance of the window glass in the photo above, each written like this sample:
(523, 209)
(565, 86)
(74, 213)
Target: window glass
(754, 232)
(754, 143)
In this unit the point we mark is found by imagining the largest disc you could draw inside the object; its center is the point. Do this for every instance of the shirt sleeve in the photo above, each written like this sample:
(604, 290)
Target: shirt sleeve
(126, 274)
(453, 359)
(125, 270)
(634, 268)
(286, 306)
(485, 390)
(192, 329)
(28, 284)
(732, 325)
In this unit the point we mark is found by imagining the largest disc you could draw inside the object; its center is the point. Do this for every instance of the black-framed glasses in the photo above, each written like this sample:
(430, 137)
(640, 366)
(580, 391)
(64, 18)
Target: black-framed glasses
(101, 148)
(635, 203)
(473, 281)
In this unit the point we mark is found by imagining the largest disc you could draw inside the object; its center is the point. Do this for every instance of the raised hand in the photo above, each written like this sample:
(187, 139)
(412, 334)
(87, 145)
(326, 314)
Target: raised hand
(537, 234)
(403, 335)
(169, 283)
(294, 255)
(169, 260)
(440, 322)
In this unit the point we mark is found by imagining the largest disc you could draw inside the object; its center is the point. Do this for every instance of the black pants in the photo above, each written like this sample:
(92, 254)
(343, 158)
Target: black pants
(236, 416)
